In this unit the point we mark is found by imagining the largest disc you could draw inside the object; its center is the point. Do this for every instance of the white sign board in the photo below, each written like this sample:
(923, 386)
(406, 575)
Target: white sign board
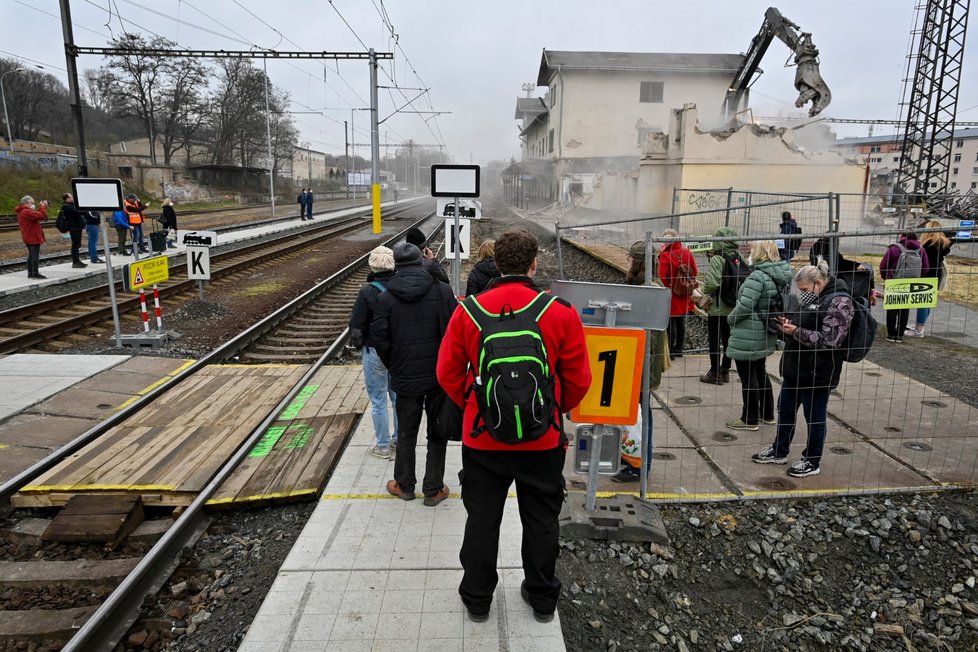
(199, 263)
(471, 208)
(357, 179)
(199, 238)
(463, 238)
(455, 180)
(97, 194)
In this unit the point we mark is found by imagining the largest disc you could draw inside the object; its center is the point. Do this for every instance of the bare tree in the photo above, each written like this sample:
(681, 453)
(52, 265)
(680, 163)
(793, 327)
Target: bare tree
(36, 102)
(98, 89)
(182, 105)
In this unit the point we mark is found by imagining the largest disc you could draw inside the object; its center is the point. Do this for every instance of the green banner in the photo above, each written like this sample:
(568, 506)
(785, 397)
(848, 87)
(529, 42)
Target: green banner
(902, 293)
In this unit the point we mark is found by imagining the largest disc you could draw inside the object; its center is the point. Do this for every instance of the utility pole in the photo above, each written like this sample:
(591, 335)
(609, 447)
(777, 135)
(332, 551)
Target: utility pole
(346, 153)
(75, 95)
(268, 131)
(374, 142)
(353, 151)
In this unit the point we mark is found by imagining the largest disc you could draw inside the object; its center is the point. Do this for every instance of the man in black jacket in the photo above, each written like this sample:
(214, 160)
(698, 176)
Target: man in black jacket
(76, 224)
(409, 322)
(428, 263)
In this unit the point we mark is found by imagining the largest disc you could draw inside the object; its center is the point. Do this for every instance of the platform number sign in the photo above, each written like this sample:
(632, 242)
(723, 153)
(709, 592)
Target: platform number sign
(616, 357)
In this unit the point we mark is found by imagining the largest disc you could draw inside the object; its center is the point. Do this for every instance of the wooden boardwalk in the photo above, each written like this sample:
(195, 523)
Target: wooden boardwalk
(168, 452)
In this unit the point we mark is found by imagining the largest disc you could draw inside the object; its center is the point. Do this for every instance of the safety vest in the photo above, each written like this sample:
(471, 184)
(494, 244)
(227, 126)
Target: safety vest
(132, 210)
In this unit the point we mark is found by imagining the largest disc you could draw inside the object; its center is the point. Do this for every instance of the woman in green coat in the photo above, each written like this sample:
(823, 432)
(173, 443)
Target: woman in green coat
(718, 329)
(750, 341)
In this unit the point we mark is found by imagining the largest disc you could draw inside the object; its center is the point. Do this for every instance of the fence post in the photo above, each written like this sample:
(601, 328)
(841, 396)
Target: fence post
(560, 250)
(675, 199)
(833, 241)
(726, 216)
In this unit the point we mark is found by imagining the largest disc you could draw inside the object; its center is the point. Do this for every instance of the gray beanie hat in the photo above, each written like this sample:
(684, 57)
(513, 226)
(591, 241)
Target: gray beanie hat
(381, 259)
(406, 254)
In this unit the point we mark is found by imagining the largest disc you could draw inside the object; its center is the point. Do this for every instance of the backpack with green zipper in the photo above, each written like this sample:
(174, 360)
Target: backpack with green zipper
(513, 385)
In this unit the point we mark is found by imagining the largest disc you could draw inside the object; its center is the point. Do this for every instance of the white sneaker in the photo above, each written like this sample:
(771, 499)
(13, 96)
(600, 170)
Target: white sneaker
(802, 469)
(383, 453)
(913, 332)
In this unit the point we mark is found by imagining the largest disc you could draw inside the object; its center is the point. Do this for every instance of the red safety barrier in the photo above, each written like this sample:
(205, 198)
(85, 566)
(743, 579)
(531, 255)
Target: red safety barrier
(159, 313)
(142, 305)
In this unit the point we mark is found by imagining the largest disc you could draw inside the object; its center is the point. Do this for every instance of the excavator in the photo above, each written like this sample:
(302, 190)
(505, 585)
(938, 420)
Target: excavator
(808, 79)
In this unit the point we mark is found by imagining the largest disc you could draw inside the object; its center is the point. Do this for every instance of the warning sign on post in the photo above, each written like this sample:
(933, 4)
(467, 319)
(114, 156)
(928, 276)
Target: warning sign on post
(145, 272)
(461, 238)
(902, 293)
(199, 263)
(616, 356)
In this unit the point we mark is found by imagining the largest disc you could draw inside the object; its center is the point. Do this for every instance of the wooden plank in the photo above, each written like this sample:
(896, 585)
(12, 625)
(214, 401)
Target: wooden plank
(109, 519)
(321, 464)
(288, 457)
(43, 624)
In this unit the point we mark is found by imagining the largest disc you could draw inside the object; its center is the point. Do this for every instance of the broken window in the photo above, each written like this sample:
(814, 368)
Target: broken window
(650, 92)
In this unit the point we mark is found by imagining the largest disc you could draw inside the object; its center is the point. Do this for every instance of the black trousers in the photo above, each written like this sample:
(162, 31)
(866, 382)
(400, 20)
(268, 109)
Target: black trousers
(122, 233)
(76, 241)
(756, 391)
(718, 335)
(409, 409)
(677, 334)
(33, 260)
(896, 322)
(486, 477)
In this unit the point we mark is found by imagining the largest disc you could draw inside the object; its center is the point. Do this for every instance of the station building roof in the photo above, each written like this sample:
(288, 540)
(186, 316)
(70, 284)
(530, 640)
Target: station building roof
(553, 60)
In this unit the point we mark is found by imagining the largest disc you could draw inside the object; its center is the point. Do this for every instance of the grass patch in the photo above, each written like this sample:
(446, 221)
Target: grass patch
(39, 184)
(261, 289)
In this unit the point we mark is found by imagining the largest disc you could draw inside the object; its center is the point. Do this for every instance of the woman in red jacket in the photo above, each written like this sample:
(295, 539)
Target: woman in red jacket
(29, 219)
(676, 257)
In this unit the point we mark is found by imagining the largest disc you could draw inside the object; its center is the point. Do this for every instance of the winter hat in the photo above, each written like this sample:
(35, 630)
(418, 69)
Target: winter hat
(637, 250)
(27, 200)
(381, 259)
(406, 254)
(415, 237)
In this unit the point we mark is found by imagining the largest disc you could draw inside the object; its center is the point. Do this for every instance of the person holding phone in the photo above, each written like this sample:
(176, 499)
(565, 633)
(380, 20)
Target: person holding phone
(29, 218)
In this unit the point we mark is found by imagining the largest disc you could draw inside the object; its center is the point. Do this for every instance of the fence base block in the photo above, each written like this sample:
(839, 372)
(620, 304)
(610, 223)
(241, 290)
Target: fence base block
(621, 517)
(152, 339)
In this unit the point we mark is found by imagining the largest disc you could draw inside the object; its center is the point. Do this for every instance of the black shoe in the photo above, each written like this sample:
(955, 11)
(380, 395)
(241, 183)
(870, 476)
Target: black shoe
(97, 261)
(476, 618)
(538, 616)
(79, 264)
(725, 375)
(625, 476)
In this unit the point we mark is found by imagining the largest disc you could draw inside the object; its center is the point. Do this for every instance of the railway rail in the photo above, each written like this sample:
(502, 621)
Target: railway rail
(105, 625)
(65, 316)
(18, 264)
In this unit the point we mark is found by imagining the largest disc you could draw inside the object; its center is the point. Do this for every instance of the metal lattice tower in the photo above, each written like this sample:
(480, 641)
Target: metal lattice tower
(932, 100)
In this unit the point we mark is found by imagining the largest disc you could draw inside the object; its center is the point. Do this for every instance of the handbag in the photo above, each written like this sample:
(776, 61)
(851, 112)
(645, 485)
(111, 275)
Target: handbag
(943, 275)
(448, 421)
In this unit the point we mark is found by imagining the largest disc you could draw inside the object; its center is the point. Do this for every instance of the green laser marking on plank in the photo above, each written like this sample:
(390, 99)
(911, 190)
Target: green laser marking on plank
(300, 438)
(267, 441)
(298, 402)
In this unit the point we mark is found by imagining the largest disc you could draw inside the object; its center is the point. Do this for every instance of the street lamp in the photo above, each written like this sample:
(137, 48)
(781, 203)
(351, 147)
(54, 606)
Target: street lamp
(6, 118)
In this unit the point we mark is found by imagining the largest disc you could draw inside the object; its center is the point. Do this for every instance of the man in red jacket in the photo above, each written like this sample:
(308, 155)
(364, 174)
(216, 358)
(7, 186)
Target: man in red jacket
(29, 219)
(489, 466)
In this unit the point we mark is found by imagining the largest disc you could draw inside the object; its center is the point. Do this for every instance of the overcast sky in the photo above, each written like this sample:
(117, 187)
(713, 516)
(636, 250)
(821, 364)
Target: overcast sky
(476, 55)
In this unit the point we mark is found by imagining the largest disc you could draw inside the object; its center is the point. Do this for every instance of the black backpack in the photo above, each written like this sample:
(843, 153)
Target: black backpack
(735, 272)
(61, 222)
(862, 330)
(513, 386)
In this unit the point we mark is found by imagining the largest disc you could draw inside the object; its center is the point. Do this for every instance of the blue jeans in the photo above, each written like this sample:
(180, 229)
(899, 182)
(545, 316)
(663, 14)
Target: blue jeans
(93, 233)
(137, 237)
(815, 402)
(378, 382)
(922, 315)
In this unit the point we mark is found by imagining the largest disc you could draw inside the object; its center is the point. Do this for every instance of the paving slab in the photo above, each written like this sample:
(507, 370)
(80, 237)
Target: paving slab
(30, 378)
(950, 460)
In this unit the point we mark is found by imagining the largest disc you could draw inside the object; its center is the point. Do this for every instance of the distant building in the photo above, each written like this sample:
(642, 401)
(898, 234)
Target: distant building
(600, 107)
(882, 156)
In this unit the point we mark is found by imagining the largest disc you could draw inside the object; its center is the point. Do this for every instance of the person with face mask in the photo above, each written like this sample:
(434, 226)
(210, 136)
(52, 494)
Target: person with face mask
(815, 325)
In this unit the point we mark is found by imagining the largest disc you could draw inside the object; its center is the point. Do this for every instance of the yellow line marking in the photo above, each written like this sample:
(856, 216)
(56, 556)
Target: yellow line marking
(2, 446)
(96, 487)
(270, 365)
(271, 496)
(153, 386)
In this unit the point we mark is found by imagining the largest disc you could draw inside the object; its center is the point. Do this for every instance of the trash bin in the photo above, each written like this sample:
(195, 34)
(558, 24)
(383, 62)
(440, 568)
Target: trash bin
(157, 241)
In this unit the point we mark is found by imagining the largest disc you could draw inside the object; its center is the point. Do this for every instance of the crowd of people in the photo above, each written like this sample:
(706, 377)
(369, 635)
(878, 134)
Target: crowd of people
(128, 224)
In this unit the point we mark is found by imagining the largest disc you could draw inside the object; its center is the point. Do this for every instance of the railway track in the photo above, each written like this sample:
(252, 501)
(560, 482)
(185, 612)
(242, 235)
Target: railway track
(18, 264)
(97, 621)
(60, 322)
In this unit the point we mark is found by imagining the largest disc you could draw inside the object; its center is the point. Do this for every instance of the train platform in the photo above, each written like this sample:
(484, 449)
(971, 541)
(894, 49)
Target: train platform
(64, 272)
(371, 572)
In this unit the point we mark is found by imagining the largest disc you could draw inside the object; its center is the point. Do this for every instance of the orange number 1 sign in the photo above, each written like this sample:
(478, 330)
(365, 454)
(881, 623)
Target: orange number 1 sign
(616, 356)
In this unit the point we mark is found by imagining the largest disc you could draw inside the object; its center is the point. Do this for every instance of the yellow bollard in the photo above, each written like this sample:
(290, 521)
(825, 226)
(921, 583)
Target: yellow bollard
(376, 197)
